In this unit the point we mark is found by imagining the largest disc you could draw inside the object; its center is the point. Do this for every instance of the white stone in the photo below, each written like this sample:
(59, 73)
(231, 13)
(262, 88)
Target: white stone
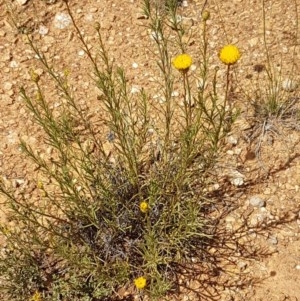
(81, 52)
(135, 89)
(256, 201)
(289, 85)
(135, 65)
(237, 181)
(22, 2)
(273, 240)
(184, 3)
(232, 140)
(13, 64)
(43, 30)
(62, 20)
(236, 178)
(253, 42)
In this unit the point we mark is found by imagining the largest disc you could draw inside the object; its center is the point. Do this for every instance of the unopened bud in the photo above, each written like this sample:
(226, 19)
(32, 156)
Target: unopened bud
(97, 26)
(34, 76)
(205, 15)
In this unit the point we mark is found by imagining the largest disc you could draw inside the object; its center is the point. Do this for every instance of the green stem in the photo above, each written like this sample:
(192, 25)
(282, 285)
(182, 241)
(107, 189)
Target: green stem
(227, 85)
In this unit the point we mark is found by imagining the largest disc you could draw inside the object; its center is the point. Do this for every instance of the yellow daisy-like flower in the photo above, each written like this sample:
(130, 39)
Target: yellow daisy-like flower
(140, 282)
(144, 207)
(229, 54)
(182, 62)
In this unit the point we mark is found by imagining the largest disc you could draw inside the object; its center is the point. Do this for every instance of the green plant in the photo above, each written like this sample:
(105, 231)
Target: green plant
(275, 99)
(135, 215)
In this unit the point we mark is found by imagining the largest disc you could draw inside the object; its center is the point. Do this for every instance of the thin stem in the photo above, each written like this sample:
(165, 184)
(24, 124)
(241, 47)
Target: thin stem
(227, 85)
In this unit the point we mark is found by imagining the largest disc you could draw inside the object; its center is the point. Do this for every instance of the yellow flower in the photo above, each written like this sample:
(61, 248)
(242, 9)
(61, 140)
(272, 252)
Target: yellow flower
(36, 297)
(182, 62)
(229, 54)
(140, 282)
(144, 207)
(40, 184)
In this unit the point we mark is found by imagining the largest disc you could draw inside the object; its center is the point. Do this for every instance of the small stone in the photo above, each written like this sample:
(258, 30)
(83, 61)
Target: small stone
(81, 52)
(18, 182)
(2, 33)
(93, 9)
(242, 265)
(289, 85)
(22, 2)
(237, 181)
(236, 178)
(273, 240)
(141, 16)
(43, 30)
(135, 89)
(256, 201)
(232, 140)
(185, 3)
(253, 42)
(13, 64)
(135, 65)
(175, 94)
(237, 151)
(297, 267)
(7, 86)
(62, 20)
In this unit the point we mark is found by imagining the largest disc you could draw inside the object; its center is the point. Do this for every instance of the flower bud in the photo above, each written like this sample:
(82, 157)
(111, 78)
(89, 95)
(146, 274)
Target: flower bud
(205, 15)
(97, 26)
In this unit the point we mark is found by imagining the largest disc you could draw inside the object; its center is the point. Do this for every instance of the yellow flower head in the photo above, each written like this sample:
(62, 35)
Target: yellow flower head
(144, 207)
(36, 297)
(182, 62)
(140, 282)
(229, 54)
(40, 184)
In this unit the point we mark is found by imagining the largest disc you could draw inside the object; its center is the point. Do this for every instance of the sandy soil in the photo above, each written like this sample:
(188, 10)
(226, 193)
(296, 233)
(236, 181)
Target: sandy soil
(266, 266)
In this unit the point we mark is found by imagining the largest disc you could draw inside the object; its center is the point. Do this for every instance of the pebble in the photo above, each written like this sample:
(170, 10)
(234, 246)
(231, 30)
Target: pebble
(2, 33)
(273, 240)
(81, 53)
(135, 89)
(13, 64)
(253, 42)
(22, 2)
(7, 86)
(256, 201)
(135, 65)
(185, 3)
(18, 182)
(232, 140)
(289, 85)
(62, 20)
(43, 30)
(93, 9)
(236, 178)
